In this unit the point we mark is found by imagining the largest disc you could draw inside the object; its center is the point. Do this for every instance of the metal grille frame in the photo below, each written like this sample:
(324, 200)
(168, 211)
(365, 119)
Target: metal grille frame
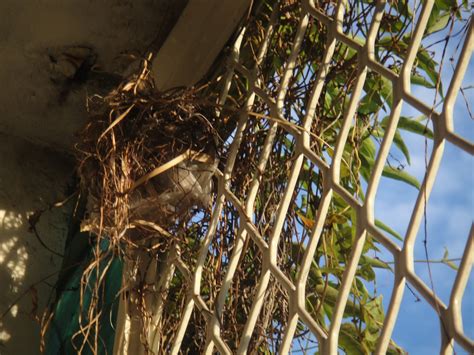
(450, 315)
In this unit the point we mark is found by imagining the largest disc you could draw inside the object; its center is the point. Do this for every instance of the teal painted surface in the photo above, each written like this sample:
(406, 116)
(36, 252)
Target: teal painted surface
(61, 338)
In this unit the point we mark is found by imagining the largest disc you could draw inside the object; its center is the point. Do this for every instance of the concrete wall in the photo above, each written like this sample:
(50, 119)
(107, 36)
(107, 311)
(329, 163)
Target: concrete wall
(30, 178)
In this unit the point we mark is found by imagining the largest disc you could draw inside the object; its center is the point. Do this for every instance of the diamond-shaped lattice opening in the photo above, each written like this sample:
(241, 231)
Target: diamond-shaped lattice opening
(358, 18)
(365, 135)
(332, 105)
(365, 310)
(235, 298)
(289, 247)
(403, 173)
(396, 32)
(327, 7)
(172, 298)
(421, 319)
(372, 293)
(331, 256)
(320, 293)
(218, 255)
(440, 51)
(190, 239)
(299, 219)
(441, 238)
(253, 163)
(195, 335)
(273, 66)
(267, 179)
(305, 71)
(463, 112)
(304, 341)
(468, 307)
(272, 318)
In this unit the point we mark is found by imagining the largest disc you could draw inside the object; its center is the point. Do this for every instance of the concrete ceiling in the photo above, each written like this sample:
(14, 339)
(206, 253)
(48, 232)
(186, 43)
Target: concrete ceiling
(55, 52)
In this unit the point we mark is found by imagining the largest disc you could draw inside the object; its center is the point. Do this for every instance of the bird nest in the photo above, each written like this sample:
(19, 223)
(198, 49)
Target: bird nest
(146, 161)
(146, 155)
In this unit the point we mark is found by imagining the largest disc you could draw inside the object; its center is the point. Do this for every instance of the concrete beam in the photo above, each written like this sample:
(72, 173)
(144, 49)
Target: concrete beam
(196, 40)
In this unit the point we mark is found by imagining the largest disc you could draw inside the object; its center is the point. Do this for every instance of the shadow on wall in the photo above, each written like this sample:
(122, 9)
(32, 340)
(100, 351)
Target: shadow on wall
(31, 178)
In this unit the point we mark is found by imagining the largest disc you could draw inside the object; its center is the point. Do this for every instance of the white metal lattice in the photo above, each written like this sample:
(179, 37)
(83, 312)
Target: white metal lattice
(450, 314)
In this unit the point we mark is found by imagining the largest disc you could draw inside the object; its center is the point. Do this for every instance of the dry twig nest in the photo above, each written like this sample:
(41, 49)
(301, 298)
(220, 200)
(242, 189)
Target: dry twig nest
(146, 156)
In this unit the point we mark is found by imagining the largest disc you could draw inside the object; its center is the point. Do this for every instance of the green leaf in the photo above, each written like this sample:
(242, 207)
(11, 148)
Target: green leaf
(428, 65)
(353, 223)
(448, 262)
(387, 229)
(379, 93)
(413, 126)
(388, 171)
(349, 339)
(387, 91)
(400, 144)
(401, 175)
(277, 62)
(394, 349)
(439, 23)
(330, 295)
(410, 125)
(405, 9)
(374, 262)
(451, 264)
(445, 4)
(365, 170)
(397, 140)
(374, 316)
(417, 79)
(366, 272)
(361, 290)
(370, 103)
(367, 148)
(367, 157)
(391, 23)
